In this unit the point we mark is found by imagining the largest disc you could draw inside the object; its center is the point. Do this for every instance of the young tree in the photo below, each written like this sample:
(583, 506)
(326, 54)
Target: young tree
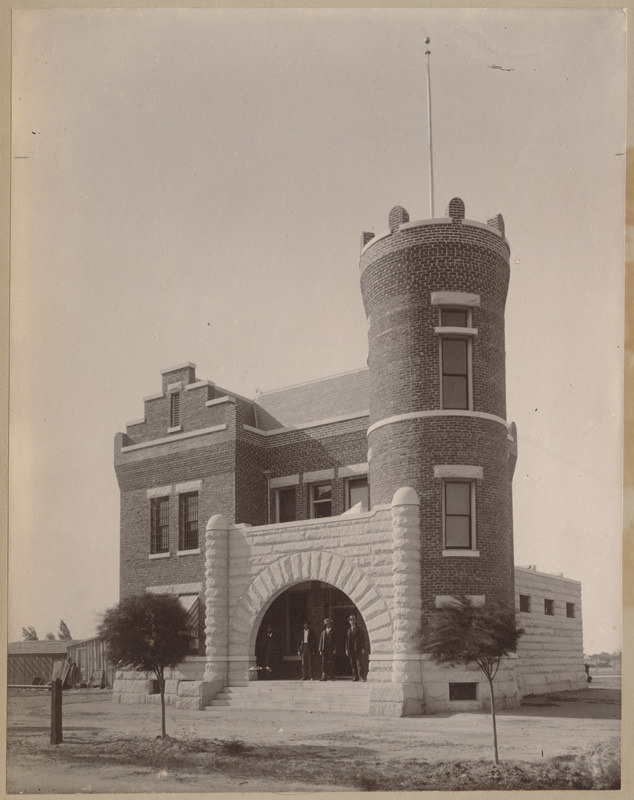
(64, 633)
(147, 632)
(29, 634)
(462, 633)
(50, 637)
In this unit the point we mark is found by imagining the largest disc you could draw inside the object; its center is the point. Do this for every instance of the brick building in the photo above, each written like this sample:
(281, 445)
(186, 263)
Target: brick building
(383, 491)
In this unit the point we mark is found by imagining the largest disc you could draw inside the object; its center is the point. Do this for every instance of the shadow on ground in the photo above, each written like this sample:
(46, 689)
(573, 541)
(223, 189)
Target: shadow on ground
(584, 704)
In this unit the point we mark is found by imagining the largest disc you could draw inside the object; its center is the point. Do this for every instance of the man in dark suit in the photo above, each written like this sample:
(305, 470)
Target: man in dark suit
(356, 647)
(307, 648)
(269, 654)
(327, 651)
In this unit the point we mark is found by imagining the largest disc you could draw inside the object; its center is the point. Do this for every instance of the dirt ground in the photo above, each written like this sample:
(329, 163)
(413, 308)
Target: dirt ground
(563, 725)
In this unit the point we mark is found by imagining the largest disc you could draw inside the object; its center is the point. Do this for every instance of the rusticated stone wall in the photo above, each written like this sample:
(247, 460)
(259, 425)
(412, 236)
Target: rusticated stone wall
(375, 559)
(356, 554)
(551, 649)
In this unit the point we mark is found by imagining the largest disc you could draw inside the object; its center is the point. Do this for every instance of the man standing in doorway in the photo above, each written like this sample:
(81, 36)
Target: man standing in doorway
(356, 649)
(306, 651)
(327, 651)
(269, 654)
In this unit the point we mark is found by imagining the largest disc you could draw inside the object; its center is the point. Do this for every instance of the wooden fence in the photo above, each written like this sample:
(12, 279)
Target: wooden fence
(25, 669)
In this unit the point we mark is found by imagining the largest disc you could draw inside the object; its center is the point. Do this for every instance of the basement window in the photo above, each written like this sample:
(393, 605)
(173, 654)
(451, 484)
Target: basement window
(549, 607)
(463, 691)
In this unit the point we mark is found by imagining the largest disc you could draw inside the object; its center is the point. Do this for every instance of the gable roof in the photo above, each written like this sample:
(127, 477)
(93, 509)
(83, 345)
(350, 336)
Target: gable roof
(343, 395)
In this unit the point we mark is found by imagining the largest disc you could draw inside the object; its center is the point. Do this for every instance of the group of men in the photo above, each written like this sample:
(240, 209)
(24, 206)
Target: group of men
(356, 650)
(356, 647)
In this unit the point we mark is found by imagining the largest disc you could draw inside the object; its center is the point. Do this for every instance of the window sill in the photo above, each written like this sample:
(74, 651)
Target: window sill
(455, 331)
(158, 555)
(188, 552)
(461, 553)
(175, 429)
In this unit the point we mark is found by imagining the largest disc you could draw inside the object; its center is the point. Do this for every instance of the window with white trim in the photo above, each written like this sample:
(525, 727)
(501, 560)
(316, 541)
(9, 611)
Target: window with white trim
(358, 491)
(320, 500)
(458, 514)
(188, 521)
(159, 525)
(455, 359)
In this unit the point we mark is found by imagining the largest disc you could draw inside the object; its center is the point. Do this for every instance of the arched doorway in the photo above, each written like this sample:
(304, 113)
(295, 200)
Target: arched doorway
(313, 601)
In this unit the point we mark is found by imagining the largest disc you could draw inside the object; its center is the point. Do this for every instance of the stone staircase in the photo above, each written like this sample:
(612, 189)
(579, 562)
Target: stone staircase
(339, 697)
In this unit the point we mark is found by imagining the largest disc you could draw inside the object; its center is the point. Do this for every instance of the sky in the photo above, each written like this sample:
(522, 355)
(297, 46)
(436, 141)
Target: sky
(192, 185)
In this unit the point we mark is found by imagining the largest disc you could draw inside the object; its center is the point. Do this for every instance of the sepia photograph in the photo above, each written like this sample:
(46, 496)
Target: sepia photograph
(316, 400)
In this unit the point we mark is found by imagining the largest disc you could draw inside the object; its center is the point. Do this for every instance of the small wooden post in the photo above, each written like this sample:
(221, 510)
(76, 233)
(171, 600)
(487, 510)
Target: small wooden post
(56, 711)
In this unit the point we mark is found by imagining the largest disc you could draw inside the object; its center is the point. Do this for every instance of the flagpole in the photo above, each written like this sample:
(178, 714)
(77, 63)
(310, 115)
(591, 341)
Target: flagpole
(429, 132)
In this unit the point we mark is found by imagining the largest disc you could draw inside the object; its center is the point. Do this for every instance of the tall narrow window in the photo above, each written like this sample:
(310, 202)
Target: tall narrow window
(458, 515)
(159, 525)
(175, 409)
(358, 492)
(455, 373)
(321, 500)
(286, 508)
(191, 606)
(188, 521)
(455, 355)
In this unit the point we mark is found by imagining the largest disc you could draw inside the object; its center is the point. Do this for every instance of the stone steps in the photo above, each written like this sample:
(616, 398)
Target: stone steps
(344, 697)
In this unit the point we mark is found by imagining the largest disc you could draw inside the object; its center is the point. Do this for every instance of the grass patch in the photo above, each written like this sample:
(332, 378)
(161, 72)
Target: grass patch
(233, 747)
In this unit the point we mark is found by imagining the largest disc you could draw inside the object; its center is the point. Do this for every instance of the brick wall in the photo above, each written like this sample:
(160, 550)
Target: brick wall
(210, 459)
(471, 441)
(295, 452)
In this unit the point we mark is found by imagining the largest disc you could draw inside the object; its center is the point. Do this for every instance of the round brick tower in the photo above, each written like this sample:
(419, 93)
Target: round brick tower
(434, 293)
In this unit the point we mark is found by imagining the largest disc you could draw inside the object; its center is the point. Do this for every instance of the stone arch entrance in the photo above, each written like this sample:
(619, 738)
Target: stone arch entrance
(276, 652)
(326, 567)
